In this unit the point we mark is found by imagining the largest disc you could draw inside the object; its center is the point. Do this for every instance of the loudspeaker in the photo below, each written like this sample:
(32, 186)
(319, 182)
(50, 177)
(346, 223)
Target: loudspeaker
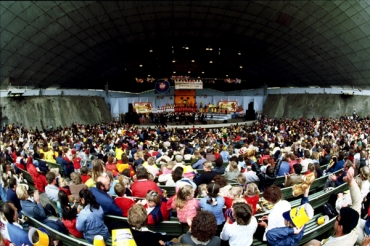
(130, 107)
(251, 106)
(250, 115)
(225, 121)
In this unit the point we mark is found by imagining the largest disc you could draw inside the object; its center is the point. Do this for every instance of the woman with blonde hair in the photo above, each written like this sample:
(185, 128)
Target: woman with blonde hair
(76, 185)
(97, 169)
(233, 172)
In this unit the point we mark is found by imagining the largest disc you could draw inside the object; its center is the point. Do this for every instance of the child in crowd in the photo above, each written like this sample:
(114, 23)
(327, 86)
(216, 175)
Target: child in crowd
(252, 196)
(63, 185)
(202, 191)
(121, 200)
(155, 206)
(166, 172)
(232, 194)
(57, 175)
(185, 203)
(113, 182)
(110, 165)
(76, 161)
(84, 174)
(151, 167)
(213, 202)
(242, 181)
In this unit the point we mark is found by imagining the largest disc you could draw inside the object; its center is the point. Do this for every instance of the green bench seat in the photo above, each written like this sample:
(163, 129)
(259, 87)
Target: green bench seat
(67, 239)
(312, 231)
(171, 227)
(316, 199)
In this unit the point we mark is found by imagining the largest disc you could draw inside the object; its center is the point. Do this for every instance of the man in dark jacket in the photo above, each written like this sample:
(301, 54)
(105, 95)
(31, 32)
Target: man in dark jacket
(207, 176)
(268, 178)
(102, 197)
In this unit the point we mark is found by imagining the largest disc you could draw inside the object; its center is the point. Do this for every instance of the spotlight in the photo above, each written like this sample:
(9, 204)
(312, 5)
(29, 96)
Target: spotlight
(148, 75)
(203, 72)
(174, 71)
(239, 53)
(188, 71)
(150, 50)
(210, 61)
(227, 75)
(192, 60)
(240, 66)
(141, 65)
(210, 49)
(173, 60)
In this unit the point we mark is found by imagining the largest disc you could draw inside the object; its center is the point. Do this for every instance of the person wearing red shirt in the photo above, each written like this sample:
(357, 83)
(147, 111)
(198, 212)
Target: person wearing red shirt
(121, 201)
(252, 196)
(156, 207)
(84, 175)
(141, 187)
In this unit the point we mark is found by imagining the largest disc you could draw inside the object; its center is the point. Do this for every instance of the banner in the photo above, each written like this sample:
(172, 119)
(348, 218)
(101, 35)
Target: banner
(185, 98)
(143, 107)
(231, 106)
(188, 84)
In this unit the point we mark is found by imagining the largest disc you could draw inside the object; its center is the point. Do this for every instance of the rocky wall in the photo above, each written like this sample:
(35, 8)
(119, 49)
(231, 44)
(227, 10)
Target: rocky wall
(315, 105)
(53, 110)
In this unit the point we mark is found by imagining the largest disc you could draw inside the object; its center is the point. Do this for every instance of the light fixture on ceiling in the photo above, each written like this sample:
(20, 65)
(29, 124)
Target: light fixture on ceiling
(240, 66)
(202, 72)
(188, 71)
(239, 53)
(148, 75)
(150, 50)
(198, 77)
(141, 65)
(227, 75)
(173, 60)
(173, 51)
(210, 61)
(207, 48)
(193, 60)
(186, 47)
(210, 49)
(174, 71)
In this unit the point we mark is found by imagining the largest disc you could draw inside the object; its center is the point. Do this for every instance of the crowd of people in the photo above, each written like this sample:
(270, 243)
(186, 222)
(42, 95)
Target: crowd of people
(114, 169)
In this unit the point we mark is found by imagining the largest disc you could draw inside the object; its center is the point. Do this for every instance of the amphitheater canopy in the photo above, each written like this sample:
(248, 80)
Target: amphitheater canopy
(84, 44)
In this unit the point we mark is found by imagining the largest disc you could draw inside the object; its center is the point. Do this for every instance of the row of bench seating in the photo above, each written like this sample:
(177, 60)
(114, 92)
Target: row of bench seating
(175, 228)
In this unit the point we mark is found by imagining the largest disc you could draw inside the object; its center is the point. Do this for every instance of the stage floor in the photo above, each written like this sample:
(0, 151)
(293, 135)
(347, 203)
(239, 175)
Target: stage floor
(210, 123)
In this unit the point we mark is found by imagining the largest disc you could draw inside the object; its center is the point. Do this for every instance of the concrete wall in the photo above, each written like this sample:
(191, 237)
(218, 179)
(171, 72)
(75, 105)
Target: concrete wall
(309, 105)
(53, 110)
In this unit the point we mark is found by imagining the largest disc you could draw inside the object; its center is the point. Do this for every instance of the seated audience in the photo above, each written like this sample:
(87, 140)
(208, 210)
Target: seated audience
(123, 202)
(207, 176)
(185, 203)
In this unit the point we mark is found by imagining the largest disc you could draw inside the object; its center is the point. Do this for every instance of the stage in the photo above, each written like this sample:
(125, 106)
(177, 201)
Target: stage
(210, 123)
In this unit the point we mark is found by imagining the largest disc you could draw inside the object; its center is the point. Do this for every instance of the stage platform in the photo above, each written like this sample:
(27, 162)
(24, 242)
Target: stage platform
(210, 124)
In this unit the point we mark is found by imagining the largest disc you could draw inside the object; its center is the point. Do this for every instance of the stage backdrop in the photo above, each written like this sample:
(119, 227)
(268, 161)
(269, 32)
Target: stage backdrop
(143, 107)
(185, 97)
(231, 106)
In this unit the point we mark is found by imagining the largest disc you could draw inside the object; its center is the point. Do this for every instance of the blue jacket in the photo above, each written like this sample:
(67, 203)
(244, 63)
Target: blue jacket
(216, 210)
(284, 168)
(92, 223)
(283, 236)
(63, 162)
(17, 235)
(33, 210)
(339, 165)
(225, 155)
(106, 202)
(12, 196)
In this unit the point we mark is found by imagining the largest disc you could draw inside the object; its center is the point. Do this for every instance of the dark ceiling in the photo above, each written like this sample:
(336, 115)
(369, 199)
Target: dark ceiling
(84, 44)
